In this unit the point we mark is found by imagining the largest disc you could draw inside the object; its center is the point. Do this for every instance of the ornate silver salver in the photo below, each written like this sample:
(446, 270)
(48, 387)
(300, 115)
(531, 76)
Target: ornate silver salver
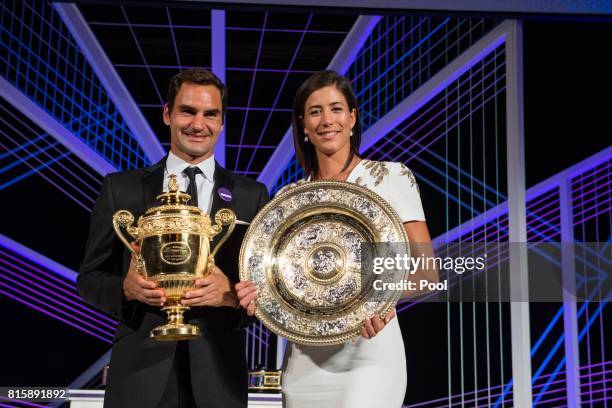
(303, 251)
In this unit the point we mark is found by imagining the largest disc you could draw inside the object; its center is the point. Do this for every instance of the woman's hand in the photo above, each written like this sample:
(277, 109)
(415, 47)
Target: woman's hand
(373, 326)
(247, 292)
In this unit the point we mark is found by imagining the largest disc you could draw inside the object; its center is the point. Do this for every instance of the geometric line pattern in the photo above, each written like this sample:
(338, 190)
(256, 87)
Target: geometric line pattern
(444, 142)
(27, 150)
(594, 375)
(40, 288)
(39, 57)
(403, 53)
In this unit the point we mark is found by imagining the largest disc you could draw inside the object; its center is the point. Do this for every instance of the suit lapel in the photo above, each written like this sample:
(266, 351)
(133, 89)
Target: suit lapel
(224, 185)
(152, 183)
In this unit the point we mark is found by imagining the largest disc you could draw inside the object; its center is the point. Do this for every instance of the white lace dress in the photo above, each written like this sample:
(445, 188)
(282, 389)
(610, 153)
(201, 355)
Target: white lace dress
(365, 373)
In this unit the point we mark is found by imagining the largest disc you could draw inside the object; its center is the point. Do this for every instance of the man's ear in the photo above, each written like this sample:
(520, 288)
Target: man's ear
(166, 114)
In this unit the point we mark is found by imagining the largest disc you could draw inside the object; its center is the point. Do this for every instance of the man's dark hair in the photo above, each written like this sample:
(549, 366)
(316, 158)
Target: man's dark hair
(198, 77)
(305, 152)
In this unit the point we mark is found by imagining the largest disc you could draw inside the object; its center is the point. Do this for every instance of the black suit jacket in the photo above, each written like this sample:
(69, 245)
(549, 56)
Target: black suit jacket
(140, 366)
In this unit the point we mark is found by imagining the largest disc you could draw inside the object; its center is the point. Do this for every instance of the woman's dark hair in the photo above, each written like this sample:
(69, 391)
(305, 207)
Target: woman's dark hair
(305, 151)
(198, 77)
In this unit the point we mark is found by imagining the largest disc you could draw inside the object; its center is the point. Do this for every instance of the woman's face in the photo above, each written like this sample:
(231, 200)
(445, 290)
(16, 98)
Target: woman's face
(328, 121)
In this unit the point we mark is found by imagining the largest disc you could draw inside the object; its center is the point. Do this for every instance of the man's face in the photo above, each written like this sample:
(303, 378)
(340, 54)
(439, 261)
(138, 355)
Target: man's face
(195, 121)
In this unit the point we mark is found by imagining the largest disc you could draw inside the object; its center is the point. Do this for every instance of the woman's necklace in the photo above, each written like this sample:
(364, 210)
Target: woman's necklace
(343, 174)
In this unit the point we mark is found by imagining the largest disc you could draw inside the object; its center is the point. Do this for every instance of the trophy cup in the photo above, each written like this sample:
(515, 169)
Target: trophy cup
(174, 241)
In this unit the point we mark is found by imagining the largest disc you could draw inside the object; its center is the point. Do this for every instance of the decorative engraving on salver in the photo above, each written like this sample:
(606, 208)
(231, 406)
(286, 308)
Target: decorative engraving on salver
(255, 267)
(310, 235)
(273, 220)
(366, 207)
(313, 197)
(352, 244)
(324, 261)
(295, 276)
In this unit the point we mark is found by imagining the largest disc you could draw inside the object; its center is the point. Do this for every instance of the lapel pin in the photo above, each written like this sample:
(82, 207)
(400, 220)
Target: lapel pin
(225, 194)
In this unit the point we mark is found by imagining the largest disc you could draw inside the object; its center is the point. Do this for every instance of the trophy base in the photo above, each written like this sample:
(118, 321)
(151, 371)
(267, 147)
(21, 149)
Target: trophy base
(172, 332)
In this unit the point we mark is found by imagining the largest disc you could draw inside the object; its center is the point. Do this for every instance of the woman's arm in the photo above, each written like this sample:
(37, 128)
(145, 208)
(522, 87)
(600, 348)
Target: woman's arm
(420, 246)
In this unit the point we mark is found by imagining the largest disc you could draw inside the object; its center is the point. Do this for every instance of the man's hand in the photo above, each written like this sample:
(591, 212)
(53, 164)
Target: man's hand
(214, 290)
(136, 287)
(247, 292)
(374, 325)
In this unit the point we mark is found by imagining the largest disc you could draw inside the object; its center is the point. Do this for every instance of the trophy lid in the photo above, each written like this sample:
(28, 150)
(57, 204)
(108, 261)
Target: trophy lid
(174, 198)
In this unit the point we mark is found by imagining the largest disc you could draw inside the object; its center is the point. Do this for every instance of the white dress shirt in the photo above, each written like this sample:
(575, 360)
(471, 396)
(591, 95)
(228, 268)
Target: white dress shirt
(204, 181)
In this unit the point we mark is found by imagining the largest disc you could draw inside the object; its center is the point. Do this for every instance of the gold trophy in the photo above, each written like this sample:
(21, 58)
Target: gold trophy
(174, 241)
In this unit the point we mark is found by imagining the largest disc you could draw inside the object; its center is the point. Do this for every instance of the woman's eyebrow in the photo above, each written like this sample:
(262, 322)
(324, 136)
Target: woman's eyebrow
(330, 104)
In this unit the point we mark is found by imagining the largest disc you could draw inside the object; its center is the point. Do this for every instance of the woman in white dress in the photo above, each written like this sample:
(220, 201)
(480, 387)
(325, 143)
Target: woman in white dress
(371, 371)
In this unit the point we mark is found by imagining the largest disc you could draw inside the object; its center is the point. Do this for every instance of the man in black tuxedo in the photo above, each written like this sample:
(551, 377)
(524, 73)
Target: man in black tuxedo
(209, 372)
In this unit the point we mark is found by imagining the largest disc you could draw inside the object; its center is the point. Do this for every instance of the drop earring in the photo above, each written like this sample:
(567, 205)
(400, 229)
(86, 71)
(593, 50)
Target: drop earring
(351, 134)
(305, 137)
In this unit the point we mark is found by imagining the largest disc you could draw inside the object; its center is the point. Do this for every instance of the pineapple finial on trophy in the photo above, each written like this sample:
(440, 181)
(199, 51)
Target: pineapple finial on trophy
(173, 196)
(173, 185)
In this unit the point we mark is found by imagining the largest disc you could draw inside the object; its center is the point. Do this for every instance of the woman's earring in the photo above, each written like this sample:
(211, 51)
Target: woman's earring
(305, 139)
(351, 134)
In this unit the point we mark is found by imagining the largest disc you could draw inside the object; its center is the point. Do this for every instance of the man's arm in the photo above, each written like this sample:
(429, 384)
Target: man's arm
(102, 280)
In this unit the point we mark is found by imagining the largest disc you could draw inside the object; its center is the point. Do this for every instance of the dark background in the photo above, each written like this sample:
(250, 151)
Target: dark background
(567, 118)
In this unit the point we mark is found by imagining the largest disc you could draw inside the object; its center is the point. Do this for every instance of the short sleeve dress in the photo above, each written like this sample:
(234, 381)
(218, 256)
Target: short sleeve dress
(365, 373)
